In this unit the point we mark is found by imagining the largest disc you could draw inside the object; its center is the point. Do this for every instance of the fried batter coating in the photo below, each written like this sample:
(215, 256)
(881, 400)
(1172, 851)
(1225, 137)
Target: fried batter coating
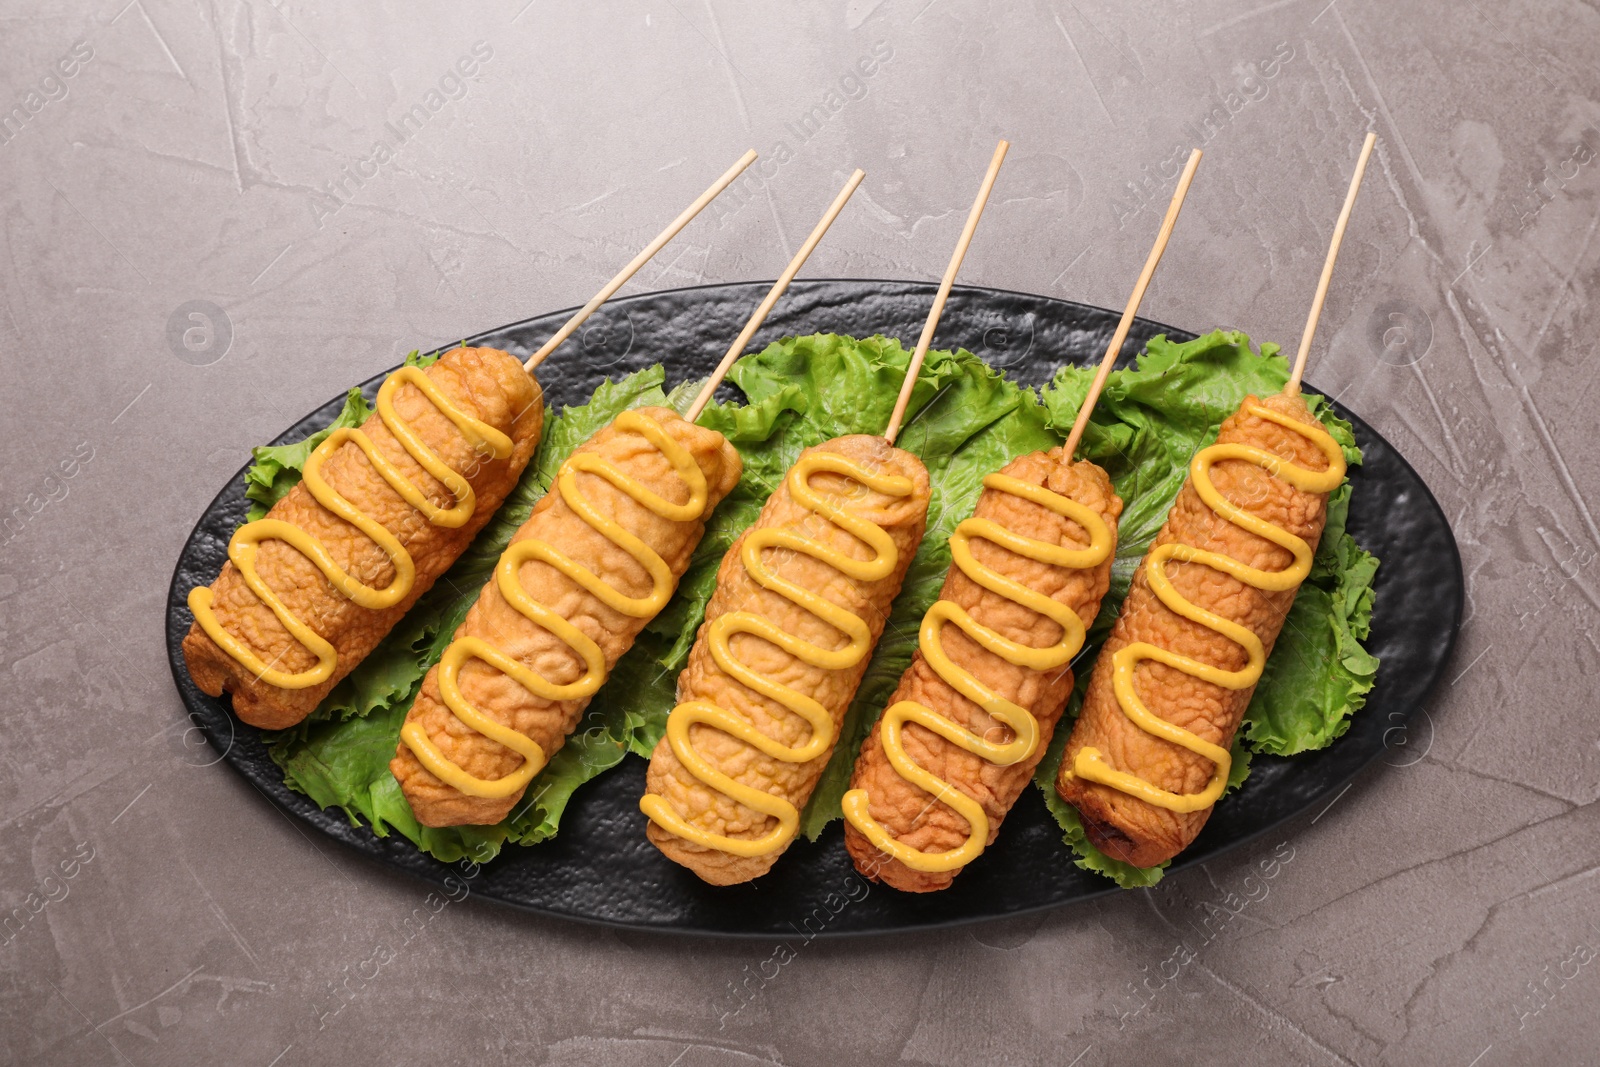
(1125, 827)
(495, 621)
(904, 519)
(485, 383)
(905, 810)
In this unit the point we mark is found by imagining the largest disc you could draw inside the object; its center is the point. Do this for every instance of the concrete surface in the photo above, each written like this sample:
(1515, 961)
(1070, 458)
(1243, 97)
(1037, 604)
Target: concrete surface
(1442, 911)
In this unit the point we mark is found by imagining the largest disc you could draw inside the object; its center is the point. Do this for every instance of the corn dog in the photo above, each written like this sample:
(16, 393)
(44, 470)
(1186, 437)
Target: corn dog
(382, 511)
(595, 561)
(801, 600)
(1148, 756)
(297, 607)
(846, 522)
(975, 710)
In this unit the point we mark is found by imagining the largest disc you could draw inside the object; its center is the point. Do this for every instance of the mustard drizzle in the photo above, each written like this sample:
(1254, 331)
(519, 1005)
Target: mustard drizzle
(662, 581)
(1023, 726)
(243, 546)
(722, 630)
(1089, 763)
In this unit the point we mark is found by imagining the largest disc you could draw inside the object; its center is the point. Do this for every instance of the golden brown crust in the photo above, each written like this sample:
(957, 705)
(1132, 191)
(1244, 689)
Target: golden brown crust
(493, 619)
(904, 519)
(908, 813)
(1121, 825)
(488, 385)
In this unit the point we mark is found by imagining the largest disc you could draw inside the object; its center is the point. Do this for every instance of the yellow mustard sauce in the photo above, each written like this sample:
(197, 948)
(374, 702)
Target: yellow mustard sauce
(858, 646)
(243, 546)
(463, 649)
(1023, 726)
(1089, 763)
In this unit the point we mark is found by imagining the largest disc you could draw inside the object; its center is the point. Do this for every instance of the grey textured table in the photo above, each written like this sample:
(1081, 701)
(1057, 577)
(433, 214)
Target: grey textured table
(159, 911)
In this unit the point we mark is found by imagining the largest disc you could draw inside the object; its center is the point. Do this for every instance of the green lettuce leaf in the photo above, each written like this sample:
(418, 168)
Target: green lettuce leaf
(1318, 674)
(1150, 420)
(965, 420)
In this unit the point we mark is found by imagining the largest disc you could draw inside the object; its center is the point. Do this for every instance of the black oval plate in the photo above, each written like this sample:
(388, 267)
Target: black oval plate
(601, 869)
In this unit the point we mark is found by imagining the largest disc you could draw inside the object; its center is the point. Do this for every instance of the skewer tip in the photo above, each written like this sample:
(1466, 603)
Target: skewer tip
(777, 290)
(641, 259)
(1292, 387)
(893, 429)
(1086, 409)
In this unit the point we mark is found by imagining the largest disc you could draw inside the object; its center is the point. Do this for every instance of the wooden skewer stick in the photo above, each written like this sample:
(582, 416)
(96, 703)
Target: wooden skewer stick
(1121, 334)
(944, 292)
(641, 259)
(1293, 387)
(736, 349)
